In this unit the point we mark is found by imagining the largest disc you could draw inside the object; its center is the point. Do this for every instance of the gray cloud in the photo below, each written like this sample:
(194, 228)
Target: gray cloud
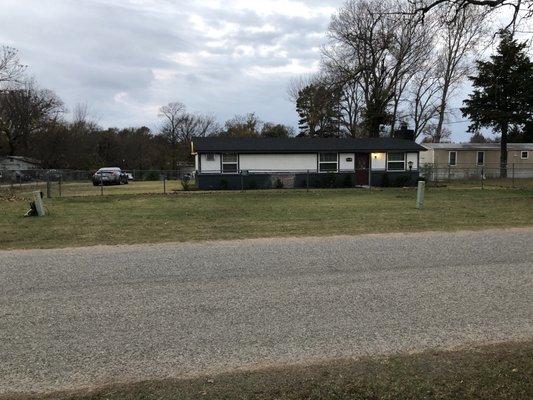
(125, 58)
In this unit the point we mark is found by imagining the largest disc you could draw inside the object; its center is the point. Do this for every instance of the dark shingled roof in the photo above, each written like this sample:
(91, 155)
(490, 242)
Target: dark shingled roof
(300, 145)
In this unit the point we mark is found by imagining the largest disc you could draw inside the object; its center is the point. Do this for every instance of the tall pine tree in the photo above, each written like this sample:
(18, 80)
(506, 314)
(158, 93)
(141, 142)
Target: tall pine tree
(319, 110)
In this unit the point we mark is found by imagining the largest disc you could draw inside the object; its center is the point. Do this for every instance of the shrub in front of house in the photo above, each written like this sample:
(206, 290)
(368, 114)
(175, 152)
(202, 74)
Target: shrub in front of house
(385, 180)
(347, 181)
(329, 180)
(401, 181)
(252, 184)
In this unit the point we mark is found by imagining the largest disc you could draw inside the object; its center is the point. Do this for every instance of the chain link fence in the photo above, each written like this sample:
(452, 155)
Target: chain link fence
(513, 175)
(68, 183)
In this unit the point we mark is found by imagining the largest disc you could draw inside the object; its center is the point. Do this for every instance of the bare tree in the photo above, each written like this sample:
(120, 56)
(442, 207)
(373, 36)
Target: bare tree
(454, 8)
(173, 115)
(424, 94)
(371, 41)
(180, 126)
(196, 125)
(429, 133)
(297, 84)
(351, 108)
(11, 69)
(24, 112)
(460, 39)
(80, 113)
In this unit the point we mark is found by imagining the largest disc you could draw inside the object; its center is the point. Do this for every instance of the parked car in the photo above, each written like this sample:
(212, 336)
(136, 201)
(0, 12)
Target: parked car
(109, 176)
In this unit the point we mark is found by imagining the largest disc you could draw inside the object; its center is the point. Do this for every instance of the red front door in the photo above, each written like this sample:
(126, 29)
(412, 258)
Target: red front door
(361, 168)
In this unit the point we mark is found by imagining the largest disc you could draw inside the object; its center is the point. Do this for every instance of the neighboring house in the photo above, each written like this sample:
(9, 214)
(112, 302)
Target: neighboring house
(16, 167)
(234, 163)
(18, 163)
(471, 160)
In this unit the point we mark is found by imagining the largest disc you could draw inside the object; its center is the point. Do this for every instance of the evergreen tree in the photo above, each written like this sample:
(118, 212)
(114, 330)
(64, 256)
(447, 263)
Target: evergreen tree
(319, 110)
(503, 93)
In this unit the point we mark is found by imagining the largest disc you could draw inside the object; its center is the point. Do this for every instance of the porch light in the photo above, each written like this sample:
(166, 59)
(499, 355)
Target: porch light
(410, 165)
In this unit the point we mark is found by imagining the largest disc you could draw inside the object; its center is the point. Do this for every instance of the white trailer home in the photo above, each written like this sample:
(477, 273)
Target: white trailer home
(234, 163)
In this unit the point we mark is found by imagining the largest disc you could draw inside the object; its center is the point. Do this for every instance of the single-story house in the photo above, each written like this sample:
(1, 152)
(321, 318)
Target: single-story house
(470, 160)
(18, 163)
(235, 163)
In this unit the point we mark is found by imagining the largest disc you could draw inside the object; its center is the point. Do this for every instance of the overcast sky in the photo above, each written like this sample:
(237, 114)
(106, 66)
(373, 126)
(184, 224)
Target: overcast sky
(125, 58)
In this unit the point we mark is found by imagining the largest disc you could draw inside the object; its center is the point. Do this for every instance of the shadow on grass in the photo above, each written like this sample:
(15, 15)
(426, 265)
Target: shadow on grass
(502, 371)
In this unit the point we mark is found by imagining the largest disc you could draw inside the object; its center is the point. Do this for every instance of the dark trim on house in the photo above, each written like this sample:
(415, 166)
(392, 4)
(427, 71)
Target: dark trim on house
(302, 145)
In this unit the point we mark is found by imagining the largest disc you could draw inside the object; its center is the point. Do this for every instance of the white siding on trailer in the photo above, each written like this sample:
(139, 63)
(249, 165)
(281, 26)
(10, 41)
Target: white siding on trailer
(378, 161)
(414, 158)
(210, 166)
(10, 164)
(427, 157)
(344, 164)
(278, 162)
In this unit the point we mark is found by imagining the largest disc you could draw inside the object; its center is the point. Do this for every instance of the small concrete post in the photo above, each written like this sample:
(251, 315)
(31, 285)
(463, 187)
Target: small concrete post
(39, 206)
(420, 194)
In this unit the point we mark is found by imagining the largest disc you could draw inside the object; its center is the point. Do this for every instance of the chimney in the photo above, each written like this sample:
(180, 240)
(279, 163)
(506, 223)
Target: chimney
(404, 132)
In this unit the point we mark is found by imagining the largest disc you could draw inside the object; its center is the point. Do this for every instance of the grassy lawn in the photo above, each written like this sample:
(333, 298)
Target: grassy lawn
(129, 218)
(484, 373)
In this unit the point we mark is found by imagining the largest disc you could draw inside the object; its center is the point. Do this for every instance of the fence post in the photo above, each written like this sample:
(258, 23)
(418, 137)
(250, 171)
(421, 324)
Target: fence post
(513, 176)
(164, 184)
(48, 187)
(420, 195)
(482, 175)
(60, 182)
(101, 183)
(307, 181)
(242, 181)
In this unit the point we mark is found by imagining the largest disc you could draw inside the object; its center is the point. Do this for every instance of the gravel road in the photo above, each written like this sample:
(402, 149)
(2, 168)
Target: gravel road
(81, 317)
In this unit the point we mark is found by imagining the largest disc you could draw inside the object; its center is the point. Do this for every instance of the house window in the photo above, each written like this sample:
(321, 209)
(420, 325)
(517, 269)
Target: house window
(452, 158)
(210, 157)
(327, 162)
(396, 162)
(524, 155)
(229, 163)
(480, 158)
